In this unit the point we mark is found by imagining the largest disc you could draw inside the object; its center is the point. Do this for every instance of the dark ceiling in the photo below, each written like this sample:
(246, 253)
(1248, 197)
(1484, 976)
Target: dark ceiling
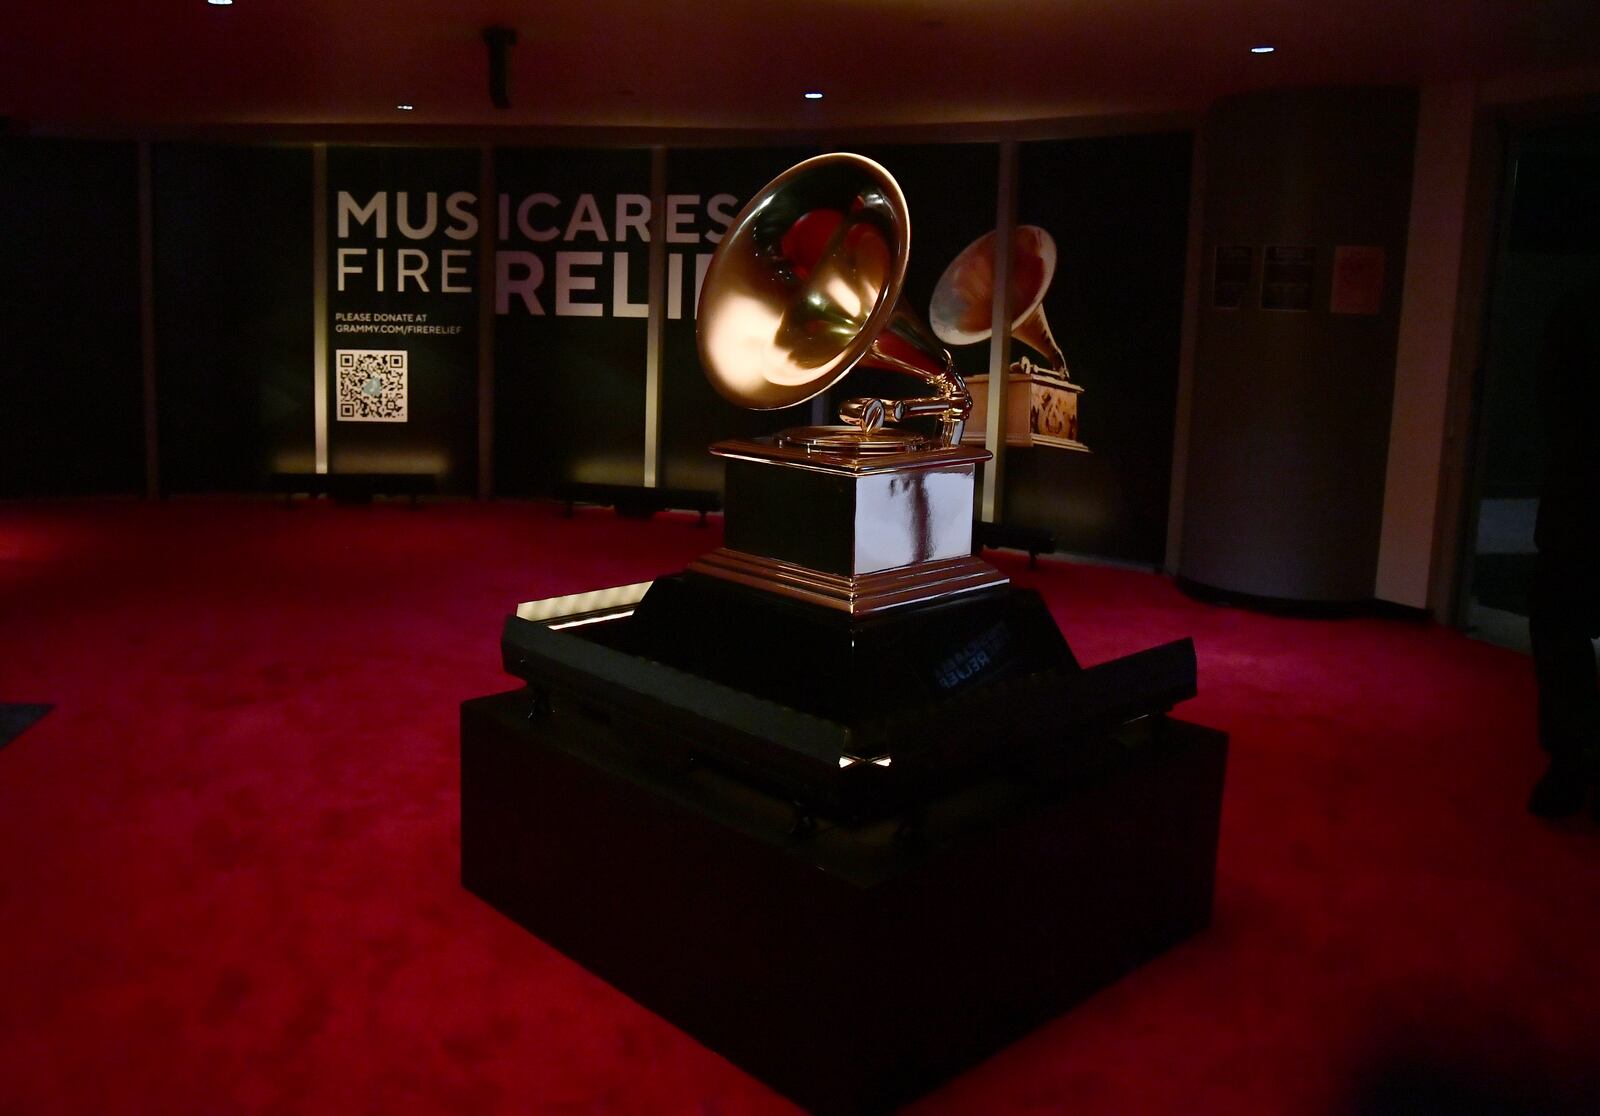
(716, 64)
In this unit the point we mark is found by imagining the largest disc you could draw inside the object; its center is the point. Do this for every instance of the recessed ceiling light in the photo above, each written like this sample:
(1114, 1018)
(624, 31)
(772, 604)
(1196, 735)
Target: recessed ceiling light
(405, 108)
(220, 3)
(1262, 49)
(813, 95)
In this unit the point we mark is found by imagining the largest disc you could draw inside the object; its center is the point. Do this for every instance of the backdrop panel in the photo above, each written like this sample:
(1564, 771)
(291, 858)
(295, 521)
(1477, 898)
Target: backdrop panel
(233, 266)
(403, 312)
(1117, 209)
(71, 394)
(571, 317)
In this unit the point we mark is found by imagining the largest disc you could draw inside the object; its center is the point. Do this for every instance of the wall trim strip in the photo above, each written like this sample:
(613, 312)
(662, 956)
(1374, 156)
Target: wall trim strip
(147, 322)
(319, 302)
(994, 434)
(655, 327)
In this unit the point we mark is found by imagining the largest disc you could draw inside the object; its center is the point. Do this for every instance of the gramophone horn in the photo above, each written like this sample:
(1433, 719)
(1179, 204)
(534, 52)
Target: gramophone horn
(805, 286)
(960, 311)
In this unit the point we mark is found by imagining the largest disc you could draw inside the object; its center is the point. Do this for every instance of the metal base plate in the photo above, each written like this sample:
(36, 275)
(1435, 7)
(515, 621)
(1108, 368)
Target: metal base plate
(852, 440)
(858, 595)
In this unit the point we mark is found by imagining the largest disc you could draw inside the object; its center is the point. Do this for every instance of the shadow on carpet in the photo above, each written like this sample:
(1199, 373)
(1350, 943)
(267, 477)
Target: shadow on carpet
(14, 719)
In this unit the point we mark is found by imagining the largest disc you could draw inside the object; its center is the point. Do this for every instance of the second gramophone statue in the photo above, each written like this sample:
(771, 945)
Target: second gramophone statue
(1041, 399)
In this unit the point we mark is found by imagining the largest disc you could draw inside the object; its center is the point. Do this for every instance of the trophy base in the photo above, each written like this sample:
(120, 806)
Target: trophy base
(1041, 410)
(854, 532)
(855, 594)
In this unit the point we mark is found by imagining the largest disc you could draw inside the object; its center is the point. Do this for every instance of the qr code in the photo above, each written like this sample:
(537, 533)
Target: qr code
(372, 385)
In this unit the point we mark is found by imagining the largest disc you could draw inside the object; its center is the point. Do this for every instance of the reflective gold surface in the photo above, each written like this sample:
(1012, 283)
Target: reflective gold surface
(852, 440)
(858, 595)
(805, 285)
(778, 452)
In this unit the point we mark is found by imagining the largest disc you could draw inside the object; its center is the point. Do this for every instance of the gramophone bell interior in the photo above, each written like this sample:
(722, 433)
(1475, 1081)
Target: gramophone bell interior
(806, 285)
(803, 281)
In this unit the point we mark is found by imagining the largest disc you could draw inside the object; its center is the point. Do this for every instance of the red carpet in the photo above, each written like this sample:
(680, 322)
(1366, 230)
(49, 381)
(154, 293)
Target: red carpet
(228, 857)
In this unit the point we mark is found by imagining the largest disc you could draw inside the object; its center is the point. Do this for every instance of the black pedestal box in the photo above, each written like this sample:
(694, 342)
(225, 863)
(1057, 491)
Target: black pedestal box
(850, 964)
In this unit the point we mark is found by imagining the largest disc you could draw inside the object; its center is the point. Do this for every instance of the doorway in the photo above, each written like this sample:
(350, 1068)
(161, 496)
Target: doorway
(1547, 246)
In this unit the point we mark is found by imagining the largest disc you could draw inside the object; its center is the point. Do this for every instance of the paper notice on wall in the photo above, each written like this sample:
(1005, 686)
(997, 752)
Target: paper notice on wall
(1357, 280)
(1231, 279)
(1287, 275)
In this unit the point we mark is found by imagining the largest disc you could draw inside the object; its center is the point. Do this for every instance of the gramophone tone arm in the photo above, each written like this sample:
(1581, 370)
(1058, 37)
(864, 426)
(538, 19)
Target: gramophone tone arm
(951, 406)
(869, 413)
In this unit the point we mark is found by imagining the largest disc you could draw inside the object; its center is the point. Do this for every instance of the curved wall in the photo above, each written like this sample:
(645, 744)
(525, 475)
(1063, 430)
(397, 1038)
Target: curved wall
(1290, 419)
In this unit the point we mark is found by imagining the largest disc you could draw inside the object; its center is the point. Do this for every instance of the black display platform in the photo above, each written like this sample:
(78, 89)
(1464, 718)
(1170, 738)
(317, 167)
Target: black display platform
(852, 718)
(850, 966)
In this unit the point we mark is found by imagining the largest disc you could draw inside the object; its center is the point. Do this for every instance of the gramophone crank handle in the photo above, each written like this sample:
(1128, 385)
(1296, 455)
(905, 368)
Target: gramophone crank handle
(868, 414)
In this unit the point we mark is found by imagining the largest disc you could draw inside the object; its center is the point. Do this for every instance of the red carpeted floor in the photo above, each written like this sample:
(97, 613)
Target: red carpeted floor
(228, 859)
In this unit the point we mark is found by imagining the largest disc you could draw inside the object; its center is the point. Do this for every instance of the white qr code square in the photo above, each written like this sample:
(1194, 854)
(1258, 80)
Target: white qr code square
(372, 385)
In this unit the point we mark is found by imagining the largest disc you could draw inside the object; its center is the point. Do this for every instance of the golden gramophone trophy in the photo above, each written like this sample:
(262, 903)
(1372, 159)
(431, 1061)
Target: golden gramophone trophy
(1041, 399)
(870, 514)
(845, 592)
(837, 799)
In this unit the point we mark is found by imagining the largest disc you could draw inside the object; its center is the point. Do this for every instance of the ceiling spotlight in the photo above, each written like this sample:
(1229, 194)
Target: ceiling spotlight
(813, 95)
(405, 108)
(1262, 49)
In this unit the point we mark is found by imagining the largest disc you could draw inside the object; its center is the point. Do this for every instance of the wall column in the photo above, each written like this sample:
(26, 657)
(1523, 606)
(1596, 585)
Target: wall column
(1426, 349)
(655, 323)
(992, 497)
(1290, 413)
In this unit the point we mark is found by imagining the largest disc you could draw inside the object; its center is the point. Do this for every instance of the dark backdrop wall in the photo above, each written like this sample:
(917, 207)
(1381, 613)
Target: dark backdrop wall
(570, 317)
(1118, 210)
(233, 306)
(568, 297)
(71, 391)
